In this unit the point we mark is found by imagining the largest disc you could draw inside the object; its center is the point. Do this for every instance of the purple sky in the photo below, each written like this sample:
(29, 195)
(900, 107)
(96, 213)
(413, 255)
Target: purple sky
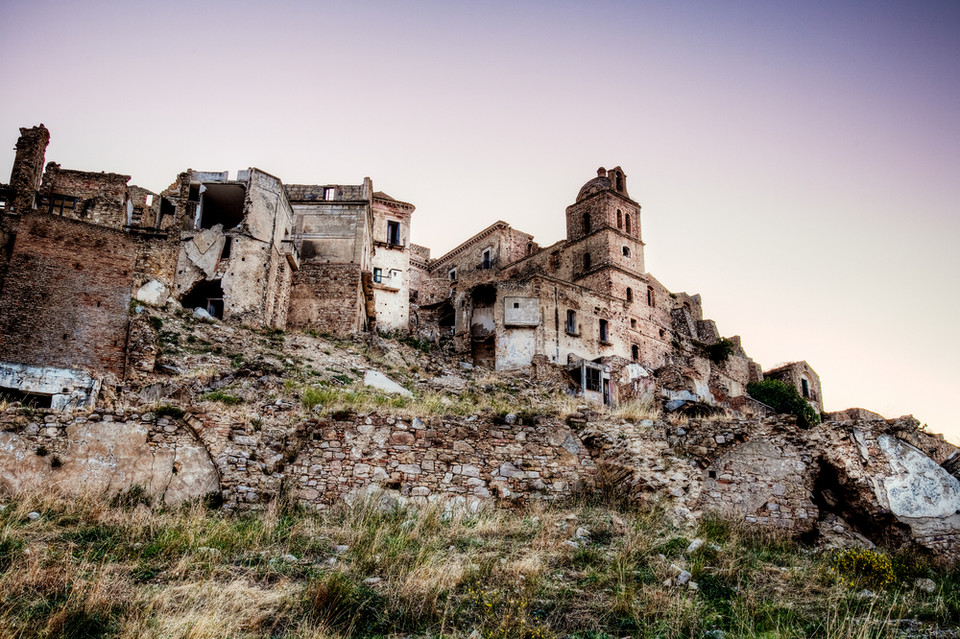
(798, 163)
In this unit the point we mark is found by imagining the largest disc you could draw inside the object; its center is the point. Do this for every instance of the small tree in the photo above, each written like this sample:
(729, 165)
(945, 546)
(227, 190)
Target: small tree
(784, 398)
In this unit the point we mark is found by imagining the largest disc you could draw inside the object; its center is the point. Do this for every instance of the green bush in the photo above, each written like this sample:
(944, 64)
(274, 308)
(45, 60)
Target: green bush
(223, 398)
(861, 568)
(784, 398)
(720, 351)
(166, 410)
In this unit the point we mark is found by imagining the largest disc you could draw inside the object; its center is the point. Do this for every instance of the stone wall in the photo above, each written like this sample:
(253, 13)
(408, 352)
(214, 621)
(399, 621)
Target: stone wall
(101, 198)
(327, 298)
(65, 298)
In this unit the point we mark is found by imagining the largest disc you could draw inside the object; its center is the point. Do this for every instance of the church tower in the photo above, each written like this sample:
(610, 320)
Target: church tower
(603, 233)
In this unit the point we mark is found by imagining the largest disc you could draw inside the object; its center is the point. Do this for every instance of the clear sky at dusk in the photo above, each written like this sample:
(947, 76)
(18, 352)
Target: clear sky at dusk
(798, 164)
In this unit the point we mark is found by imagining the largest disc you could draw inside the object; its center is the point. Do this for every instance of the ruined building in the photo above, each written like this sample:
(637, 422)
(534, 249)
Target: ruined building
(76, 247)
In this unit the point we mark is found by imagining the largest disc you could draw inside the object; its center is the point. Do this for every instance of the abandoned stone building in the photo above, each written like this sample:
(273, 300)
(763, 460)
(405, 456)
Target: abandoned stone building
(78, 246)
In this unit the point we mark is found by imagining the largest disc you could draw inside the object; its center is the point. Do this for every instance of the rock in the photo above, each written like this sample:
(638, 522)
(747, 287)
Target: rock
(376, 379)
(582, 533)
(153, 292)
(926, 585)
(202, 314)
(693, 586)
(33, 516)
(342, 548)
(290, 559)
(371, 581)
(510, 418)
(694, 546)
(683, 577)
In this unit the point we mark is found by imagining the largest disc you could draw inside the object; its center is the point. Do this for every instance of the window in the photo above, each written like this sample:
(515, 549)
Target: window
(626, 251)
(227, 246)
(485, 261)
(148, 200)
(572, 322)
(619, 181)
(378, 275)
(619, 219)
(593, 379)
(586, 222)
(805, 387)
(629, 294)
(604, 331)
(633, 323)
(453, 274)
(554, 261)
(329, 193)
(635, 352)
(650, 299)
(586, 261)
(393, 233)
(60, 203)
(627, 222)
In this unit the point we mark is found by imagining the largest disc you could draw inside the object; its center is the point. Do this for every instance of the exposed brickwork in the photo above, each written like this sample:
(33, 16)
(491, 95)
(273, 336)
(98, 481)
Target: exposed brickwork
(100, 198)
(64, 301)
(27, 168)
(327, 298)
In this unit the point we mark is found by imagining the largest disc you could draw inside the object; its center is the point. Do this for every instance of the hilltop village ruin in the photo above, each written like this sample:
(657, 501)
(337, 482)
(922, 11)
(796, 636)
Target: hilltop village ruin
(78, 246)
(92, 267)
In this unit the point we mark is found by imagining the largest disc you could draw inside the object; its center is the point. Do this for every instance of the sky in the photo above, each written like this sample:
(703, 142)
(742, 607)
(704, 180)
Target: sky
(798, 164)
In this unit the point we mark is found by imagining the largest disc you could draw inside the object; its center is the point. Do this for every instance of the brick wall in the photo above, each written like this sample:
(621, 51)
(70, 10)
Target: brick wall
(64, 301)
(327, 298)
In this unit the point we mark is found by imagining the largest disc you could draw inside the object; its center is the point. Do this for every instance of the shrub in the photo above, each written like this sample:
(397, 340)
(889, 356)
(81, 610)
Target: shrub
(861, 568)
(223, 398)
(720, 351)
(155, 322)
(785, 399)
(339, 601)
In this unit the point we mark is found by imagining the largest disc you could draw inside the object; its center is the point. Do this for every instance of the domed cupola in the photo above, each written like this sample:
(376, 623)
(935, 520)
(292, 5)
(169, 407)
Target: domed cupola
(613, 180)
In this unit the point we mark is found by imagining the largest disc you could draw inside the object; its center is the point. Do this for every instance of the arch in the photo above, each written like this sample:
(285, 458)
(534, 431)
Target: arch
(619, 219)
(626, 251)
(629, 294)
(650, 298)
(627, 220)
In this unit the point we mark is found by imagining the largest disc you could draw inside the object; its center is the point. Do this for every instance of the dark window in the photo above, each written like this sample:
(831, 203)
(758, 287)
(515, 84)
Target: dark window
(586, 261)
(627, 221)
(604, 331)
(227, 246)
(593, 379)
(629, 294)
(635, 351)
(805, 387)
(60, 203)
(586, 222)
(633, 323)
(619, 219)
(329, 193)
(453, 275)
(486, 259)
(572, 322)
(393, 233)
(377, 275)
(626, 251)
(619, 181)
(221, 204)
(650, 299)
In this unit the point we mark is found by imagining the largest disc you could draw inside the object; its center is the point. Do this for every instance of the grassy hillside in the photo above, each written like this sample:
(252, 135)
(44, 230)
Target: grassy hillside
(123, 568)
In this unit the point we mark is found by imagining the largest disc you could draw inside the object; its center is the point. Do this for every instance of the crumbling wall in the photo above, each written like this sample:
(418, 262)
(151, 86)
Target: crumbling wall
(25, 177)
(101, 452)
(99, 198)
(327, 298)
(65, 300)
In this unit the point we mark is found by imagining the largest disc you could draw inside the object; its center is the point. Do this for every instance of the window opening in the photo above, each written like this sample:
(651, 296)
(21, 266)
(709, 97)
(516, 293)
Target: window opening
(60, 203)
(633, 323)
(221, 204)
(586, 261)
(626, 251)
(650, 296)
(329, 193)
(627, 222)
(206, 295)
(227, 247)
(572, 322)
(586, 222)
(619, 219)
(34, 400)
(604, 331)
(393, 233)
(635, 352)
(377, 275)
(805, 387)
(485, 264)
(593, 379)
(453, 274)
(619, 181)
(629, 294)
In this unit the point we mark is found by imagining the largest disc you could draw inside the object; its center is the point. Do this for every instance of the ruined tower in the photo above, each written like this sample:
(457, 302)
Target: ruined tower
(27, 168)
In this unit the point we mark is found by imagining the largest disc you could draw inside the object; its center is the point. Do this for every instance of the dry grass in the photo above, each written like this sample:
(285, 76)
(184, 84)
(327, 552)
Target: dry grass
(87, 568)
